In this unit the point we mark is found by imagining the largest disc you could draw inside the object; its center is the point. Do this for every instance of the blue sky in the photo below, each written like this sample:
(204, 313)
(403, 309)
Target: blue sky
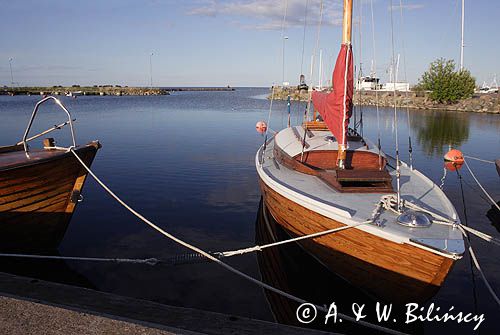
(233, 42)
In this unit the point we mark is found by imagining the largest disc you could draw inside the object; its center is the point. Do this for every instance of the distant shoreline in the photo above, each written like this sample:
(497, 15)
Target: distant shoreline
(103, 90)
(478, 103)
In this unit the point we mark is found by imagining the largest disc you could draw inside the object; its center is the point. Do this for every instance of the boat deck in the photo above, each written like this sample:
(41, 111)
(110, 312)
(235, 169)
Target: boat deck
(350, 208)
(10, 159)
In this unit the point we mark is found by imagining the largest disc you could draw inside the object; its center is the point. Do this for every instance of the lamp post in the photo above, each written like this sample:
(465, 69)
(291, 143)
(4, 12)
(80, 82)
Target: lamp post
(11, 75)
(151, 70)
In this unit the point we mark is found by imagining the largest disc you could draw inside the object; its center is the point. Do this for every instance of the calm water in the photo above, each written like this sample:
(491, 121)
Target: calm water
(186, 161)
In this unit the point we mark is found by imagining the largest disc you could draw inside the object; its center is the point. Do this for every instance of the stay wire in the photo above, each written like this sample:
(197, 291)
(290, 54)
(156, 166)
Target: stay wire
(410, 148)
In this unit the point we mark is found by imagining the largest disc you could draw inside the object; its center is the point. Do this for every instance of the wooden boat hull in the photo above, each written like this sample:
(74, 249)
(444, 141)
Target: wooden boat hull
(38, 198)
(392, 272)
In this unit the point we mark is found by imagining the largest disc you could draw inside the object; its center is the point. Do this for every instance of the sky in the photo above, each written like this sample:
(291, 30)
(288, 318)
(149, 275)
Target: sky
(234, 42)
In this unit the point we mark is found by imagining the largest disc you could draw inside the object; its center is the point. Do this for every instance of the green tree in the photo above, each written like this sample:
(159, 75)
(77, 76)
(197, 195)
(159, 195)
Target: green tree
(446, 84)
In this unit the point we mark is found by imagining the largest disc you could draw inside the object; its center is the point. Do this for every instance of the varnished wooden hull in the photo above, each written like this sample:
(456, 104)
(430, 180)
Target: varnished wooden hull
(38, 198)
(392, 272)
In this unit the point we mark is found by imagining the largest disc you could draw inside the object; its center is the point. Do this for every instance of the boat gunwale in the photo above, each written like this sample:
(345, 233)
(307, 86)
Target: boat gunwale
(62, 154)
(339, 214)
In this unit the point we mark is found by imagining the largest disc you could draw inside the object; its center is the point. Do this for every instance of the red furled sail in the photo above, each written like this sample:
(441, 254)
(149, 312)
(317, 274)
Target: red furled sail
(336, 107)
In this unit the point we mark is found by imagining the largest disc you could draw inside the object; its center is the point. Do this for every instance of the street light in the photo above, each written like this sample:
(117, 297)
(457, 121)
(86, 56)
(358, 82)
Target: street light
(11, 75)
(151, 70)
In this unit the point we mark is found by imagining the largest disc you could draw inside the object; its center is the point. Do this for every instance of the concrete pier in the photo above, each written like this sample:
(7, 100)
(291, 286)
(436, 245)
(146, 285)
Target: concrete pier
(32, 306)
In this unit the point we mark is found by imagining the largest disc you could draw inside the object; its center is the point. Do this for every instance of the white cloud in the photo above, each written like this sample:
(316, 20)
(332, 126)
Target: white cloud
(268, 14)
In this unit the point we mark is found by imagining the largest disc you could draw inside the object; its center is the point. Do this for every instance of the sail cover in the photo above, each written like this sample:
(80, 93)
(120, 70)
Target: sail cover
(336, 107)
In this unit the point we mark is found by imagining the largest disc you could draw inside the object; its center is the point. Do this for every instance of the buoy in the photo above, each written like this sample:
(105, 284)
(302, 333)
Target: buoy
(454, 156)
(451, 166)
(261, 127)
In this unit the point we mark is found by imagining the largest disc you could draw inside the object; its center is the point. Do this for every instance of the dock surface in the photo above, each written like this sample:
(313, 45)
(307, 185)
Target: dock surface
(21, 317)
(32, 306)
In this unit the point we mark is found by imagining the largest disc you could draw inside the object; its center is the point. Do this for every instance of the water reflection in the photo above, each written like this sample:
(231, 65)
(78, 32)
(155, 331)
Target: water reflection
(494, 215)
(34, 236)
(291, 269)
(436, 130)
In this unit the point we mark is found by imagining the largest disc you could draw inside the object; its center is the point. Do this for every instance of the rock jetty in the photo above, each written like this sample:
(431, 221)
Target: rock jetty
(83, 90)
(480, 103)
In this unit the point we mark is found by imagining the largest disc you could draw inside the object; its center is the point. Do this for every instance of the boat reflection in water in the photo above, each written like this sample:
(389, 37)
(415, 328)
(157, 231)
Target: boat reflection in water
(289, 268)
(29, 238)
(494, 216)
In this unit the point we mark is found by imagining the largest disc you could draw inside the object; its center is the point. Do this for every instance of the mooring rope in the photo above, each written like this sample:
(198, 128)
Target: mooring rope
(479, 159)
(218, 261)
(388, 202)
(148, 261)
(481, 186)
(478, 267)
(291, 240)
(467, 238)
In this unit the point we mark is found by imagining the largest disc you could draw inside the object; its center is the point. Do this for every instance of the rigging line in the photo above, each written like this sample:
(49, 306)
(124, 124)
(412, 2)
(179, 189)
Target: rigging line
(268, 124)
(215, 259)
(302, 59)
(304, 39)
(306, 112)
(481, 186)
(360, 71)
(314, 56)
(398, 170)
(283, 41)
(410, 148)
(379, 146)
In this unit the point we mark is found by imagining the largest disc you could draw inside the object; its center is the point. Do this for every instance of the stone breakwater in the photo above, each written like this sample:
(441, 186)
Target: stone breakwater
(83, 90)
(479, 103)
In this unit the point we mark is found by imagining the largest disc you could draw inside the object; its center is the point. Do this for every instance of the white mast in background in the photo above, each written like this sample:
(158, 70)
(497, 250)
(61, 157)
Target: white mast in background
(462, 40)
(320, 68)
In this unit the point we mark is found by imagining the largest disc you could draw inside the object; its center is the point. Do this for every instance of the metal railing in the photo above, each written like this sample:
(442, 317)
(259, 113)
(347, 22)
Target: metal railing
(25, 139)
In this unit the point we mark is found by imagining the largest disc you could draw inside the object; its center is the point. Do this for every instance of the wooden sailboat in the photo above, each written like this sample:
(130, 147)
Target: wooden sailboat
(322, 175)
(40, 188)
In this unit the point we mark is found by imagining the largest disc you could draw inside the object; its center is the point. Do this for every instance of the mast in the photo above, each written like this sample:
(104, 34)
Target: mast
(462, 40)
(397, 70)
(320, 69)
(347, 22)
(346, 40)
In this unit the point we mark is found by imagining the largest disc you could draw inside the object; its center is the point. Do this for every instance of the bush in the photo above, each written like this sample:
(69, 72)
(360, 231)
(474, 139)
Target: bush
(447, 84)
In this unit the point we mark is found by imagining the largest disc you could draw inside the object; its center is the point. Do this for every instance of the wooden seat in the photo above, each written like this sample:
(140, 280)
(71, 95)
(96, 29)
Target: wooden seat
(363, 175)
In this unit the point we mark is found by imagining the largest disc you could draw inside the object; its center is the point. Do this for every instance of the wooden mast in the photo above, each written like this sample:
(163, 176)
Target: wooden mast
(347, 22)
(346, 39)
